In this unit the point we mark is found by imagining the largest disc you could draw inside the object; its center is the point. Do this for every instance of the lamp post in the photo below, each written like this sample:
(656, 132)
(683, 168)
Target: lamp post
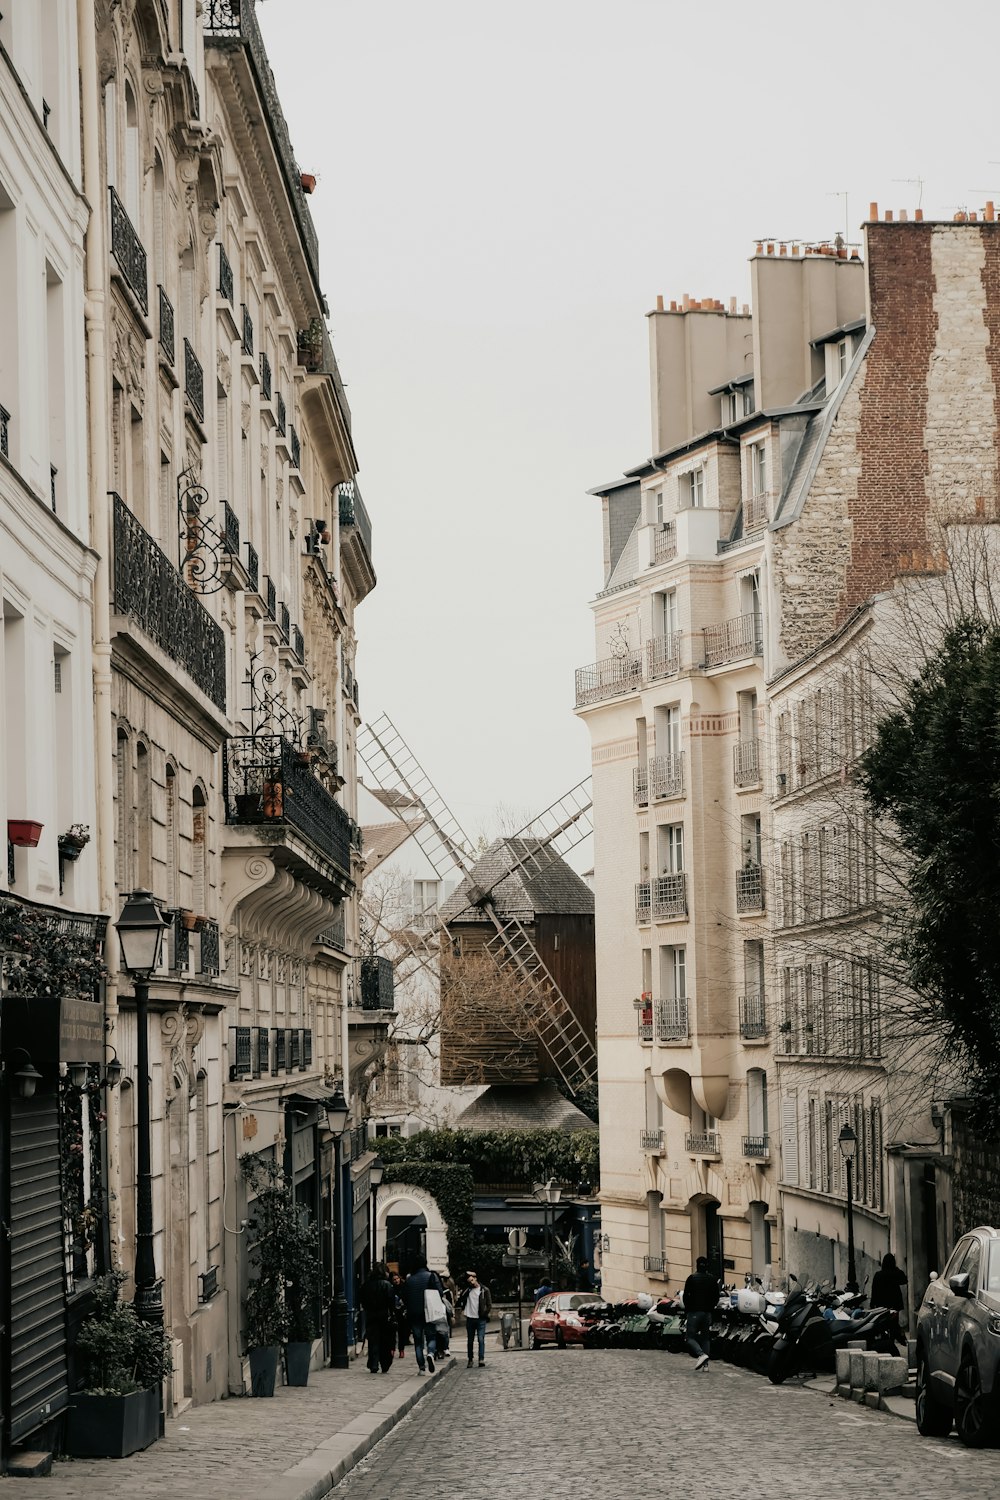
(548, 1195)
(375, 1174)
(337, 1111)
(140, 933)
(848, 1143)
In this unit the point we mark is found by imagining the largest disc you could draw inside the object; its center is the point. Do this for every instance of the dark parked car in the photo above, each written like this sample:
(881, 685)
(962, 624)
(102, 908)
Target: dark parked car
(958, 1343)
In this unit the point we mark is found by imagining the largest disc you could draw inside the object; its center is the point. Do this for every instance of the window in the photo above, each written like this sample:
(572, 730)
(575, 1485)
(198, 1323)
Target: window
(424, 901)
(661, 507)
(172, 880)
(751, 839)
(970, 1265)
(199, 852)
(844, 351)
(668, 730)
(694, 489)
(758, 469)
(670, 848)
(730, 408)
(748, 399)
(144, 816)
(813, 1142)
(668, 613)
(678, 973)
(757, 1103)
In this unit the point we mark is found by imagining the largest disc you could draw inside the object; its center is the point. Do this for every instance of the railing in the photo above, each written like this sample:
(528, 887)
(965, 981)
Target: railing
(351, 511)
(279, 413)
(208, 1284)
(194, 381)
(253, 566)
(165, 327)
(640, 786)
(294, 1050)
(750, 888)
(746, 763)
(757, 1147)
(741, 636)
(335, 936)
(656, 1265)
(208, 962)
(672, 1020)
(149, 590)
(644, 1022)
(262, 1051)
(756, 511)
(4, 432)
(663, 655)
(271, 595)
(180, 944)
(230, 530)
(284, 619)
(265, 377)
(608, 678)
(225, 276)
(247, 341)
(666, 775)
(278, 1050)
(307, 1049)
(267, 780)
(295, 447)
(298, 644)
(702, 1143)
(669, 894)
(240, 1064)
(664, 544)
(753, 1017)
(126, 247)
(377, 983)
(651, 1140)
(643, 903)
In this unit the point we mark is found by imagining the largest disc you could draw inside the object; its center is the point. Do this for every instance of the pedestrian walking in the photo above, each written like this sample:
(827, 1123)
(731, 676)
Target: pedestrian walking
(887, 1290)
(379, 1305)
(701, 1296)
(476, 1302)
(402, 1317)
(423, 1294)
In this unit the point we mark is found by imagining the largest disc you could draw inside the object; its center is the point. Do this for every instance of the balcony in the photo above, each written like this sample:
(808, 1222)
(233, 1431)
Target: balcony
(750, 888)
(663, 656)
(377, 983)
(672, 1020)
(746, 763)
(640, 786)
(129, 255)
(351, 512)
(240, 1053)
(149, 590)
(246, 340)
(194, 381)
(666, 776)
(268, 781)
(230, 530)
(253, 566)
(294, 447)
(165, 327)
(733, 640)
(756, 511)
(610, 678)
(298, 644)
(753, 1018)
(644, 1021)
(664, 544)
(208, 953)
(757, 1147)
(280, 414)
(643, 903)
(225, 277)
(702, 1143)
(656, 1265)
(652, 1140)
(265, 377)
(271, 597)
(4, 432)
(356, 536)
(669, 897)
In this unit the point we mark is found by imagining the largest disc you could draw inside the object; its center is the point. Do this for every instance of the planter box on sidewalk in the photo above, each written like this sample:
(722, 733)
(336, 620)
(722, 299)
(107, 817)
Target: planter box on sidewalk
(112, 1426)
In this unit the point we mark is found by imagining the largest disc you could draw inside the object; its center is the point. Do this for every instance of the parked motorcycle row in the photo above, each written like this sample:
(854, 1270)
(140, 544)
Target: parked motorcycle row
(775, 1333)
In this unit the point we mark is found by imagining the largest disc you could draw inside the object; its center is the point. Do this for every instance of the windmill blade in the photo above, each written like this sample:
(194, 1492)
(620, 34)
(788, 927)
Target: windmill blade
(548, 837)
(552, 1018)
(395, 768)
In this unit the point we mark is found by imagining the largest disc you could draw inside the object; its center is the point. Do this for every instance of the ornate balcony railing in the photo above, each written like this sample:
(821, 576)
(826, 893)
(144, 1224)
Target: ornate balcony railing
(643, 903)
(225, 276)
(265, 377)
(746, 763)
(672, 1020)
(702, 1143)
(150, 591)
(663, 655)
(165, 328)
(609, 678)
(230, 530)
(652, 1140)
(644, 1022)
(209, 953)
(246, 343)
(262, 1051)
(753, 1018)
(669, 896)
(271, 596)
(194, 381)
(278, 1050)
(351, 512)
(240, 1054)
(640, 786)
(253, 566)
(280, 414)
(756, 511)
(267, 780)
(294, 1050)
(750, 888)
(284, 619)
(126, 247)
(757, 1147)
(666, 775)
(295, 447)
(298, 644)
(656, 1265)
(180, 942)
(664, 544)
(733, 639)
(4, 432)
(307, 1048)
(377, 985)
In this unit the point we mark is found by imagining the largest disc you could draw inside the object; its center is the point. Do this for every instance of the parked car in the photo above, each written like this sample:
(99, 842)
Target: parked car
(958, 1343)
(556, 1318)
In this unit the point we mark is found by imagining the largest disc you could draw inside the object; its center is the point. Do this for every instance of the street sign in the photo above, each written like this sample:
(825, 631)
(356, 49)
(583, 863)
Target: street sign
(526, 1261)
(517, 1239)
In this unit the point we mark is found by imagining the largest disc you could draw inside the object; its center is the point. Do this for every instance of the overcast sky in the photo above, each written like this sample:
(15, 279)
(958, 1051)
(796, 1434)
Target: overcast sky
(504, 188)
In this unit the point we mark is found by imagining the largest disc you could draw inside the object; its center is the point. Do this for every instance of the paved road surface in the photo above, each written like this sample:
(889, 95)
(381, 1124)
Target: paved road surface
(627, 1425)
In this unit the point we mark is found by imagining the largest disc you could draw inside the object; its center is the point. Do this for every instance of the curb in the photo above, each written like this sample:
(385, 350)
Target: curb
(314, 1476)
(893, 1405)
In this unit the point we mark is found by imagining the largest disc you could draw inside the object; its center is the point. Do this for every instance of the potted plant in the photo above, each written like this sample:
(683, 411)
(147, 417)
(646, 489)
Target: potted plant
(122, 1364)
(190, 919)
(303, 1279)
(266, 1326)
(310, 345)
(74, 840)
(283, 1299)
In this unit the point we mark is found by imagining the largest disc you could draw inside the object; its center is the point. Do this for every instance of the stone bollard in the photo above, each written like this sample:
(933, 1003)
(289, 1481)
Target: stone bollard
(892, 1373)
(911, 1353)
(843, 1358)
(856, 1354)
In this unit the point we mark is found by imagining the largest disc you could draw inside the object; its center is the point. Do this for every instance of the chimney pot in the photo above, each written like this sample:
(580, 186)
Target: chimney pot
(918, 215)
(760, 247)
(732, 304)
(988, 211)
(795, 249)
(659, 302)
(685, 302)
(902, 215)
(782, 249)
(770, 248)
(873, 210)
(746, 309)
(888, 216)
(972, 218)
(673, 304)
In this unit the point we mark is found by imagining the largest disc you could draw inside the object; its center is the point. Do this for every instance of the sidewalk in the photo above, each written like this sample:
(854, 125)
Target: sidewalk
(294, 1447)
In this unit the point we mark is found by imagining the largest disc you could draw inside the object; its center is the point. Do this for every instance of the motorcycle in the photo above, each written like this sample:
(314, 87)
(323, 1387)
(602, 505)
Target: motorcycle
(807, 1339)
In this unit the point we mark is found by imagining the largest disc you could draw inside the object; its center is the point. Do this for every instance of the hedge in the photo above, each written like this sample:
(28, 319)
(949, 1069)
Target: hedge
(526, 1156)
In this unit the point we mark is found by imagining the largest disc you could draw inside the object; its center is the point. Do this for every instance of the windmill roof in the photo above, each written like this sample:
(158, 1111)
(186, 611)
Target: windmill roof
(379, 840)
(556, 890)
(531, 1106)
(390, 797)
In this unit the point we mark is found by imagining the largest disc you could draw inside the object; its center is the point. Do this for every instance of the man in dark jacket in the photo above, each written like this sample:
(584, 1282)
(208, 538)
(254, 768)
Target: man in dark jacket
(378, 1301)
(416, 1284)
(476, 1301)
(701, 1295)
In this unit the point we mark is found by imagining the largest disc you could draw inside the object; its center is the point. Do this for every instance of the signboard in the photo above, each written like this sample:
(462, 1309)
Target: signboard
(517, 1239)
(529, 1261)
(303, 1149)
(362, 1188)
(81, 1031)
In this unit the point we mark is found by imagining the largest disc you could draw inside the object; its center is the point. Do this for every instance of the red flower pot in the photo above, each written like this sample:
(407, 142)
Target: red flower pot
(23, 832)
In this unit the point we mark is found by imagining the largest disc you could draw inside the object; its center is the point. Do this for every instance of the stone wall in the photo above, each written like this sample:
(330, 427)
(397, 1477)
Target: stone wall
(975, 1176)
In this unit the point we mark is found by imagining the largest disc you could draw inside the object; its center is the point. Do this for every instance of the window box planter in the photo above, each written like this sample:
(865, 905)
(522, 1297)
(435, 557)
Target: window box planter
(112, 1426)
(24, 833)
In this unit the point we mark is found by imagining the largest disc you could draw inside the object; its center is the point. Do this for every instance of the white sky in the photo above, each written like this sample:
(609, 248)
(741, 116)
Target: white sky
(504, 188)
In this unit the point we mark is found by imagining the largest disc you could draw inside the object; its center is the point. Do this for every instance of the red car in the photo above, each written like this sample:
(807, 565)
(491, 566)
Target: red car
(556, 1318)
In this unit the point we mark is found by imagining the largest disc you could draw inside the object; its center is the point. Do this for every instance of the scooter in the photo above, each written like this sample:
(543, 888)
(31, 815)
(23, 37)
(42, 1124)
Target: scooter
(807, 1340)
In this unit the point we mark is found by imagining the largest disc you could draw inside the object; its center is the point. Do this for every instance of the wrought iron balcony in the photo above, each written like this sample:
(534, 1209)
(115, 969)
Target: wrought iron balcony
(753, 1018)
(209, 952)
(265, 377)
(279, 413)
(294, 1050)
(666, 775)
(750, 888)
(180, 942)
(253, 566)
(271, 595)
(702, 1143)
(757, 1147)
(295, 447)
(733, 639)
(643, 903)
(247, 340)
(640, 786)
(644, 1021)
(652, 1140)
(149, 590)
(268, 780)
(307, 1048)
(351, 512)
(656, 1265)
(756, 511)
(669, 896)
(278, 1049)
(284, 619)
(165, 327)
(298, 644)
(240, 1054)
(230, 530)
(4, 432)
(610, 678)
(194, 381)
(746, 763)
(377, 983)
(663, 656)
(672, 1020)
(664, 544)
(126, 247)
(225, 276)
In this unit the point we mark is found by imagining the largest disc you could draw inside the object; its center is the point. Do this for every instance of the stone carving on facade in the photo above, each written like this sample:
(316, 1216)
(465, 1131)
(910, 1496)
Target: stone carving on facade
(182, 1030)
(245, 416)
(246, 961)
(224, 369)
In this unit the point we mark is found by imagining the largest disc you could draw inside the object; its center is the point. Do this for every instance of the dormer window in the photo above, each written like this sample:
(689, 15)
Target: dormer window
(730, 408)
(844, 351)
(694, 484)
(748, 399)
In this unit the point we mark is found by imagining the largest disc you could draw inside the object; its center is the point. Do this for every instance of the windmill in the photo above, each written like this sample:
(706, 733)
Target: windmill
(547, 838)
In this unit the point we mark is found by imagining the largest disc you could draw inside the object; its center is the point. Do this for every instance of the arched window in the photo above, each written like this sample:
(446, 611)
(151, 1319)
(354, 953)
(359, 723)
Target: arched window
(199, 1190)
(144, 816)
(124, 821)
(132, 165)
(173, 862)
(111, 130)
(126, 1162)
(199, 851)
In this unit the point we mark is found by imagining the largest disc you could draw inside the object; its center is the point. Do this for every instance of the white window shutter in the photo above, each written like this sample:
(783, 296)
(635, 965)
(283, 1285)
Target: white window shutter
(790, 1139)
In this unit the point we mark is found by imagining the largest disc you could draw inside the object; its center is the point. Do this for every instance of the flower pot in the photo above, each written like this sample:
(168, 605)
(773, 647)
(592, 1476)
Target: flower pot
(263, 1368)
(308, 182)
(273, 799)
(70, 848)
(24, 833)
(298, 1354)
(190, 920)
(112, 1426)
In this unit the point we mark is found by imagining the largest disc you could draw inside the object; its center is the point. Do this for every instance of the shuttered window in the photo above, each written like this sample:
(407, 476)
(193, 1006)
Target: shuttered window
(790, 1139)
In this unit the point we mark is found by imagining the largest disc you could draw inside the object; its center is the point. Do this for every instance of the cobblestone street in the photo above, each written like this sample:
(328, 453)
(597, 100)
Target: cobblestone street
(622, 1423)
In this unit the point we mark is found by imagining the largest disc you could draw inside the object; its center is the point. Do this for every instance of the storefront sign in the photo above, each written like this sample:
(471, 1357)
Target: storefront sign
(81, 1031)
(303, 1148)
(362, 1188)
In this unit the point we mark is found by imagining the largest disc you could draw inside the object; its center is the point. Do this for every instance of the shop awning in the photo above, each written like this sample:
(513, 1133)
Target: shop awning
(512, 1216)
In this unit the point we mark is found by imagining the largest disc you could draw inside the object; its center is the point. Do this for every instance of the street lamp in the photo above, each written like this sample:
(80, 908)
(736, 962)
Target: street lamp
(848, 1143)
(375, 1174)
(548, 1195)
(337, 1112)
(140, 933)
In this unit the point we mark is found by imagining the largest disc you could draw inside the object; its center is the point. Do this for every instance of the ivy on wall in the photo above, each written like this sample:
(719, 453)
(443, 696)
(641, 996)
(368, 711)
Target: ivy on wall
(450, 1185)
(45, 953)
(514, 1156)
